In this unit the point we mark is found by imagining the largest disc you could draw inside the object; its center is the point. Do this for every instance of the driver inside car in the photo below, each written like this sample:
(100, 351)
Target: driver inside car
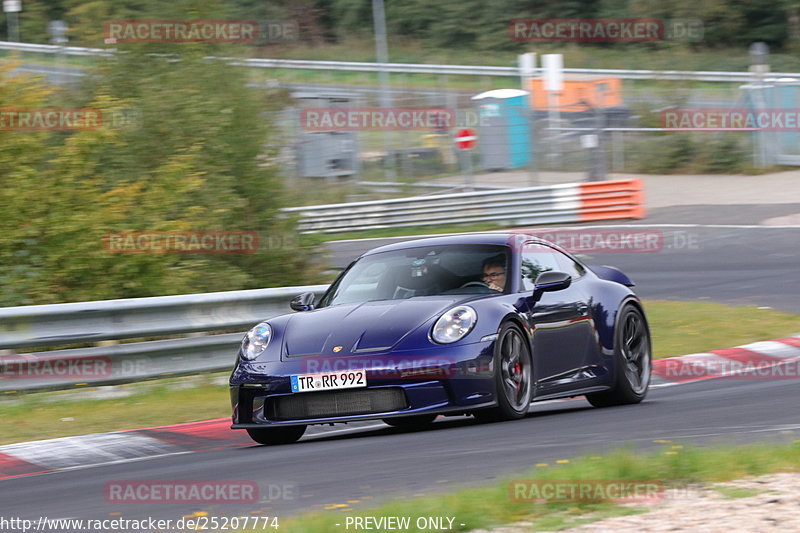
(494, 272)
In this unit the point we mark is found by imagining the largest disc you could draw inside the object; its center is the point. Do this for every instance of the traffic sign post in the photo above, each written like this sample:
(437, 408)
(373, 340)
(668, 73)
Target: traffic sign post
(58, 36)
(12, 8)
(553, 65)
(465, 141)
(527, 69)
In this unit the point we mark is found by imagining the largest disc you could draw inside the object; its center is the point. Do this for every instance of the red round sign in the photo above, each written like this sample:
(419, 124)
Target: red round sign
(465, 139)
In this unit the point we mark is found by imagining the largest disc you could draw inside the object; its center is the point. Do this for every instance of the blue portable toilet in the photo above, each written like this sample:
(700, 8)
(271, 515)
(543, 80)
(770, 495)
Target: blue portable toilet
(504, 129)
(783, 94)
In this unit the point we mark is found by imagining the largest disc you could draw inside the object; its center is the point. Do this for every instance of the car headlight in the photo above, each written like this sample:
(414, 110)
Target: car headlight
(256, 341)
(454, 324)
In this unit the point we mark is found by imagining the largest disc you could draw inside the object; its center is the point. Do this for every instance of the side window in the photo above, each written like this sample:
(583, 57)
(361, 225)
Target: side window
(535, 259)
(568, 265)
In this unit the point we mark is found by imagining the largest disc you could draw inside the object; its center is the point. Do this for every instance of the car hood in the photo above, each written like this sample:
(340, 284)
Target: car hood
(368, 327)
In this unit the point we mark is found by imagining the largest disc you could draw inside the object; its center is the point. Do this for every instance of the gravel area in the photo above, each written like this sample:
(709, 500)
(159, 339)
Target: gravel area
(770, 503)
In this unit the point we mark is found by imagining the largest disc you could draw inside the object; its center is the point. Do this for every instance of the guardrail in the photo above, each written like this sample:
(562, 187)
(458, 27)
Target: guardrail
(110, 321)
(396, 187)
(55, 49)
(414, 68)
(476, 70)
(137, 318)
(572, 202)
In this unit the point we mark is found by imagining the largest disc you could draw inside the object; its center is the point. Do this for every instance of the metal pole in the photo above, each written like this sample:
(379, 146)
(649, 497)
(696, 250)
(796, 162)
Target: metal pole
(470, 176)
(553, 118)
(450, 150)
(618, 152)
(533, 169)
(759, 67)
(760, 103)
(600, 153)
(466, 167)
(13, 27)
(58, 36)
(382, 54)
(527, 66)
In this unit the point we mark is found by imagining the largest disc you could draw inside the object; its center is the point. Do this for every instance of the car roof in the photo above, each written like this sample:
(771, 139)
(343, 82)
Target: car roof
(504, 239)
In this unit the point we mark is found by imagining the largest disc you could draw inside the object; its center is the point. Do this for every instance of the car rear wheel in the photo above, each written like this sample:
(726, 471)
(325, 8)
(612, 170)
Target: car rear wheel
(410, 422)
(513, 371)
(632, 349)
(277, 435)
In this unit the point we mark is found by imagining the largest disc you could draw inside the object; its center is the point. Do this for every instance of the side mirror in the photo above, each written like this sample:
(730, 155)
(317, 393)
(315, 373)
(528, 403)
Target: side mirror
(303, 302)
(552, 281)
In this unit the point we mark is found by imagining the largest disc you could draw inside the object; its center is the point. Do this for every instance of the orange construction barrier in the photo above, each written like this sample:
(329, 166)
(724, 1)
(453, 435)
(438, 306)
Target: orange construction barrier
(608, 200)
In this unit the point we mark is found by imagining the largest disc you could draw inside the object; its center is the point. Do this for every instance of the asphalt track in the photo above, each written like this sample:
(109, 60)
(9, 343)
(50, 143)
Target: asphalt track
(714, 253)
(371, 464)
(362, 465)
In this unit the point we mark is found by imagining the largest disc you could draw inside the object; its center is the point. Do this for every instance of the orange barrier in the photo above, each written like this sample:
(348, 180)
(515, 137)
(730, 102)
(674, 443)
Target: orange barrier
(608, 200)
(549, 204)
(579, 93)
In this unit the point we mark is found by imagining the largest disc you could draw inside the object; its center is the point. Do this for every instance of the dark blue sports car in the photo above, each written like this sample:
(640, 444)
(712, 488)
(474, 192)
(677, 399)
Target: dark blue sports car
(478, 324)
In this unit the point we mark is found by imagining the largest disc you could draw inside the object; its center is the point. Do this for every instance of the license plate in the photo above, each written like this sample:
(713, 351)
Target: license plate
(345, 379)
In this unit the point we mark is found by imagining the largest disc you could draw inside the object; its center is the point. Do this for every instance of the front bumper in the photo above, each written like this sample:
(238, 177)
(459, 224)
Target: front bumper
(448, 379)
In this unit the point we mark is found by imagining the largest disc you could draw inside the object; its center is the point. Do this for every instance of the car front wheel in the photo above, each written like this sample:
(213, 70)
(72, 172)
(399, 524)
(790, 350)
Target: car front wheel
(513, 371)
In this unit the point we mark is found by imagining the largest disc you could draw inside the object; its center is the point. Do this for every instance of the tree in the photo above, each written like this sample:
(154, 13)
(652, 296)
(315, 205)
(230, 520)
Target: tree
(187, 159)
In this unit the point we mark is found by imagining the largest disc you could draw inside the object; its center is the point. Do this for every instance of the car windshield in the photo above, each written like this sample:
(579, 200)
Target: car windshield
(423, 271)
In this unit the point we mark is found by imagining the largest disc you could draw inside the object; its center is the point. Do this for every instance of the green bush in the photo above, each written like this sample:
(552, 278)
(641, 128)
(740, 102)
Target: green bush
(668, 154)
(690, 153)
(189, 157)
(723, 154)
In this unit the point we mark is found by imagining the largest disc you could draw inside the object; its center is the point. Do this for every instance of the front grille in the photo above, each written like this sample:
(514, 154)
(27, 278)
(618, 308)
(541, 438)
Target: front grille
(327, 404)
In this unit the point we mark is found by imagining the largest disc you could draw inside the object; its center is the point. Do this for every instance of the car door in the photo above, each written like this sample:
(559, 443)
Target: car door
(559, 320)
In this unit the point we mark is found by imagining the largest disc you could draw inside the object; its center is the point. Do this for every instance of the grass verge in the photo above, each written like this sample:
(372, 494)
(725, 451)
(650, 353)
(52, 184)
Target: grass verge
(680, 328)
(674, 466)
(48, 415)
(677, 327)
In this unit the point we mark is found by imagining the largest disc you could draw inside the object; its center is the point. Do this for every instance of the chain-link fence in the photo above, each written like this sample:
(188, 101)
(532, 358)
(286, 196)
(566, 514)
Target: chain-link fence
(512, 134)
(606, 121)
